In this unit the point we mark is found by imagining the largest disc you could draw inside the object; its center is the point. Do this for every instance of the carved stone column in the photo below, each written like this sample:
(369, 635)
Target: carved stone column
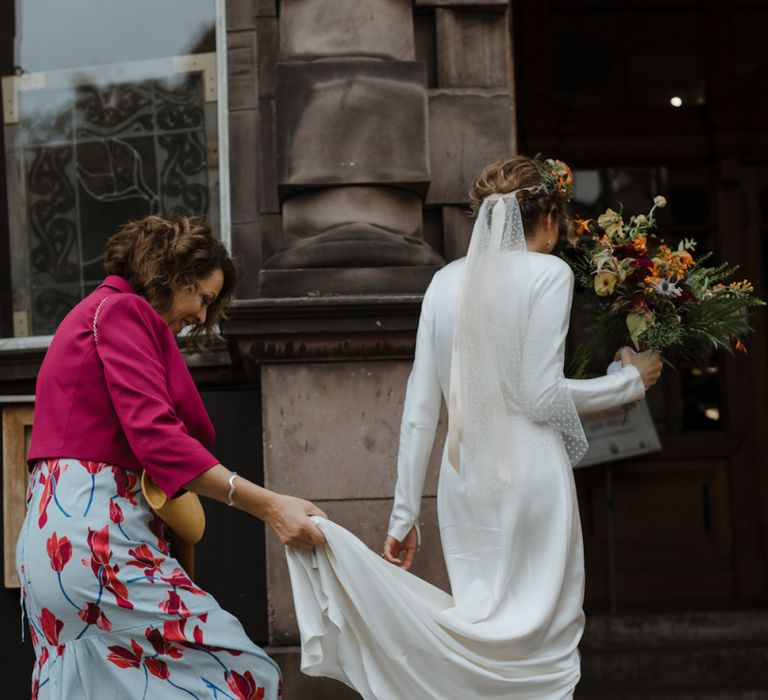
(352, 152)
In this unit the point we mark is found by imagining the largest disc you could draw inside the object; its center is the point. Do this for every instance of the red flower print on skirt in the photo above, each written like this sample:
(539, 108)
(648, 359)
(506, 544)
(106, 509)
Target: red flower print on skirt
(161, 645)
(244, 686)
(150, 631)
(98, 541)
(174, 605)
(157, 667)
(126, 658)
(92, 614)
(144, 559)
(60, 551)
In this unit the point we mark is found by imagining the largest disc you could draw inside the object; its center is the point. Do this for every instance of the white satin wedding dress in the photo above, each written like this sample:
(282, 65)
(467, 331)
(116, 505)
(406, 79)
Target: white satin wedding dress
(512, 625)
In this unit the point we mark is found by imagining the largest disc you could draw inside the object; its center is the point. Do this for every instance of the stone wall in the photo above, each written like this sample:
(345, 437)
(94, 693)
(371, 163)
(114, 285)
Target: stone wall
(403, 101)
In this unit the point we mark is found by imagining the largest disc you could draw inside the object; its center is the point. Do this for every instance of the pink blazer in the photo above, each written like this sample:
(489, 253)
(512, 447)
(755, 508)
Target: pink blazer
(124, 397)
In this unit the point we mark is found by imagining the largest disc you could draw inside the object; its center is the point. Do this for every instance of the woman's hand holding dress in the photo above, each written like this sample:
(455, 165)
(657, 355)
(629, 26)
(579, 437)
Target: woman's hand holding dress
(288, 516)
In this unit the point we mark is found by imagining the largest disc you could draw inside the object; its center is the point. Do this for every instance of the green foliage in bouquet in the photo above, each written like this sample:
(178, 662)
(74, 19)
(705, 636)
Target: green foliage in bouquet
(656, 298)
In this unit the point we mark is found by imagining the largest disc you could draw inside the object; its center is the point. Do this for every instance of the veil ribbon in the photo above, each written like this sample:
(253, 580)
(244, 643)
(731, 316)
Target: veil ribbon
(492, 361)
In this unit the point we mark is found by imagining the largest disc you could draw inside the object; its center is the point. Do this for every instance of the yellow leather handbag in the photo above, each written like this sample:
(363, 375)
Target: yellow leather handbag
(183, 514)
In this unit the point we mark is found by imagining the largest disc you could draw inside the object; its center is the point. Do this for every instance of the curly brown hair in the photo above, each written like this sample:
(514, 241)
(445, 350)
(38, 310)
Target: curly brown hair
(159, 256)
(517, 173)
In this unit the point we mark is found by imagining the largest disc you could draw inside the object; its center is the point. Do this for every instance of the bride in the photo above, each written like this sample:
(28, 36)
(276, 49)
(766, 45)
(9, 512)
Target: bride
(490, 342)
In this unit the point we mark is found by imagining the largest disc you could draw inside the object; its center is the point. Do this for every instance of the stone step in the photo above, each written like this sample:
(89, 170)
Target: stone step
(753, 693)
(651, 630)
(682, 655)
(667, 667)
(700, 694)
(297, 686)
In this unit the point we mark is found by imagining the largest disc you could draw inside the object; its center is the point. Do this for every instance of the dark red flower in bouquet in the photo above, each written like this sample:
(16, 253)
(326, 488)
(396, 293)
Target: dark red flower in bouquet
(640, 305)
(144, 559)
(643, 268)
(92, 614)
(160, 644)
(115, 512)
(157, 667)
(244, 686)
(126, 658)
(59, 550)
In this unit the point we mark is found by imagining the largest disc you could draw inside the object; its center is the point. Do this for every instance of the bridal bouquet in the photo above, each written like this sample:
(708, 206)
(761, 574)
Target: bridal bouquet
(658, 297)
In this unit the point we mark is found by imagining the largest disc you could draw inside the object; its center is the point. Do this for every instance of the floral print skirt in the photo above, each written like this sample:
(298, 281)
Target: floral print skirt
(111, 613)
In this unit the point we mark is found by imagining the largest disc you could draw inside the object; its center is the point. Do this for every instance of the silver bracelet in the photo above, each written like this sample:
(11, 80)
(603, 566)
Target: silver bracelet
(231, 494)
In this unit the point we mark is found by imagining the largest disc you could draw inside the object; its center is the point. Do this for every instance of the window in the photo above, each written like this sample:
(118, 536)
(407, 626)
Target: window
(111, 113)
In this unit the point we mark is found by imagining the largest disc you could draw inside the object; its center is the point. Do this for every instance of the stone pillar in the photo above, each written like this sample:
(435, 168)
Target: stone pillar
(352, 152)
(364, 123)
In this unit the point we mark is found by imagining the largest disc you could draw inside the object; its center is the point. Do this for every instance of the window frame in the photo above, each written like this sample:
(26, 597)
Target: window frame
(29, 342)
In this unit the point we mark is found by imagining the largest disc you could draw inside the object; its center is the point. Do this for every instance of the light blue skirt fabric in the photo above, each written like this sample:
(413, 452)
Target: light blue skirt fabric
(111, 614)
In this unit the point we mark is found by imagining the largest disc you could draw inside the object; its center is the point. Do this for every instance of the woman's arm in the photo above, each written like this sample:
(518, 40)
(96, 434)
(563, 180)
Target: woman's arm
(421, 413)
(128, 344)
(289, 517)
(136, 379)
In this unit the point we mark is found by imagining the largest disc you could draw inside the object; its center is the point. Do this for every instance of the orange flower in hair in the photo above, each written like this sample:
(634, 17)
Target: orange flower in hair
(582, 226)
(557, 177)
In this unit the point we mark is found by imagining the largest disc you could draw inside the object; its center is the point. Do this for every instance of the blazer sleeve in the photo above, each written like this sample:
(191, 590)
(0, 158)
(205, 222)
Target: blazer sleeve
(421, 413)
(128, 344)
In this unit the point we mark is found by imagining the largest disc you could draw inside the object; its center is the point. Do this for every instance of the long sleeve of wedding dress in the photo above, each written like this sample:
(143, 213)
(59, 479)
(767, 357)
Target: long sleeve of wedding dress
(421, 412)
(546, 355)
(608, 391)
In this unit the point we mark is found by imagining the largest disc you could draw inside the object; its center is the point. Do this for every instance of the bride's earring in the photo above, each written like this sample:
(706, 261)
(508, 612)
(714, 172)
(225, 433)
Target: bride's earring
(549, 244)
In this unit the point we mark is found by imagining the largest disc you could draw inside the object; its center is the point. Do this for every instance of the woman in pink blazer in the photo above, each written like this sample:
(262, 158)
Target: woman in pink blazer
(107, 604)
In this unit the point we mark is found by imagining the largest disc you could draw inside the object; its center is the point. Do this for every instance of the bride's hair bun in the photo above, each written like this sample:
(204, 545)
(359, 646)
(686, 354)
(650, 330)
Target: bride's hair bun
(539, 194)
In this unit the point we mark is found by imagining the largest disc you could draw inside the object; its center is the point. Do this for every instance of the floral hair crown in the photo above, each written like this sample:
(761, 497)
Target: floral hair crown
(556, 176)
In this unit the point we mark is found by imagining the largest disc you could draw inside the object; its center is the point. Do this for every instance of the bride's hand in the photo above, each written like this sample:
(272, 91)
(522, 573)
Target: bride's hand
(648, 364)
(289, 517)
(393, 549)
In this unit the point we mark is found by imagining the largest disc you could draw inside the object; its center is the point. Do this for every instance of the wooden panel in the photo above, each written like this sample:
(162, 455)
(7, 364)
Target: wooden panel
(17, 421)
(673, 537)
